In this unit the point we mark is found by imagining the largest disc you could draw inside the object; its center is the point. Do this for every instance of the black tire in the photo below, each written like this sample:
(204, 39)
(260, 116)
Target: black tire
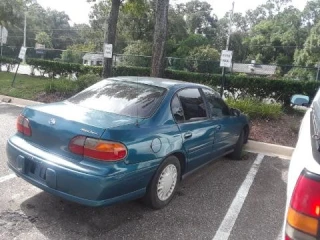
(237, 153)
(151, 198)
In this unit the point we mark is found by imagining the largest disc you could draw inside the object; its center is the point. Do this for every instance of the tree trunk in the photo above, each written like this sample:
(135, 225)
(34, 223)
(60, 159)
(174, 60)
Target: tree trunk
(110, 36)
(159, 39)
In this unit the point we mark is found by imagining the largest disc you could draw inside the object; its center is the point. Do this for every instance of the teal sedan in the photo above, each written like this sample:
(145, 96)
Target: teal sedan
(124, 138)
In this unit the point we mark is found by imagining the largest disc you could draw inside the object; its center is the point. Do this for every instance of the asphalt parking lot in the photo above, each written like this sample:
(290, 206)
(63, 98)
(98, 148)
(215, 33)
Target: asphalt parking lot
(225, 200)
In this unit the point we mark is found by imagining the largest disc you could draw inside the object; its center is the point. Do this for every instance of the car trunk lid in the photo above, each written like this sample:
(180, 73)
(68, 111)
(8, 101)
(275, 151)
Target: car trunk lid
(54, 125)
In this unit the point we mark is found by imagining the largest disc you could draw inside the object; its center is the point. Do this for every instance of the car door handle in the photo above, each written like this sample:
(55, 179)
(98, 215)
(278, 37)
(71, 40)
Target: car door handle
(187, 135)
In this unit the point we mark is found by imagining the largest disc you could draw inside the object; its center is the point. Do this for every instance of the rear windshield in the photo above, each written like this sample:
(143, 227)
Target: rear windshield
(121, 97)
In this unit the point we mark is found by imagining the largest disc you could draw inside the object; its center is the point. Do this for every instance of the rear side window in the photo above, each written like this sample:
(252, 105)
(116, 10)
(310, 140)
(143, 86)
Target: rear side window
(121, 97)
(176, 109)
(192, 104)
(217, 106)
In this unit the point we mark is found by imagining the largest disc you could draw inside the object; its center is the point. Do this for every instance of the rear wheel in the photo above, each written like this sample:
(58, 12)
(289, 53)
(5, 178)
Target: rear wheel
(164, 183)
(237, 153)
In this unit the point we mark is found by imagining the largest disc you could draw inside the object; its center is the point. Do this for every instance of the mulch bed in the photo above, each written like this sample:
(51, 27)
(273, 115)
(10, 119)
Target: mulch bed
(283, 131)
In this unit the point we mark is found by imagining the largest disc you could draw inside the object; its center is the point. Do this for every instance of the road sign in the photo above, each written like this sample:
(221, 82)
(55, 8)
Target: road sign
(40, 46)
(22, 53)
(226, 59)
(107, 53)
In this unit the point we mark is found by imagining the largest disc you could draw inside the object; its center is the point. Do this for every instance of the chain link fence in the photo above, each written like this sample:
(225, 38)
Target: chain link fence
(173, 63)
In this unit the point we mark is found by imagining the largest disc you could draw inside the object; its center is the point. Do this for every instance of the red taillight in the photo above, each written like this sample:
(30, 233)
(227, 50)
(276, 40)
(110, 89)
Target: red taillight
(304, 209)
(98, 149)
(306, 197)
(23, 125)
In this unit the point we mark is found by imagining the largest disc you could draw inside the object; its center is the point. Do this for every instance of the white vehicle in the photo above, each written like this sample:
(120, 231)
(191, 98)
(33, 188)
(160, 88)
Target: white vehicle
(302, 217)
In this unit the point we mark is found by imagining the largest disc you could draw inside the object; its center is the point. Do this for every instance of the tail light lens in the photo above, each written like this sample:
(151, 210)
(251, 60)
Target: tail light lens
(98, 149)
(23, 125)
(304, 211)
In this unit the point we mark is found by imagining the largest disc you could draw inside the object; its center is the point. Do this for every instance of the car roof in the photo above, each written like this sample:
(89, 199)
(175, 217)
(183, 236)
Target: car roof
(159, 82)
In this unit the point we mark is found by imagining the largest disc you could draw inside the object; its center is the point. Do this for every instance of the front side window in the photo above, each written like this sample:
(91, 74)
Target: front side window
(217, 106)
(193, 105)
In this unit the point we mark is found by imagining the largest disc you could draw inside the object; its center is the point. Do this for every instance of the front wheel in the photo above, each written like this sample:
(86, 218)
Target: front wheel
(164, 183)
(237, 153)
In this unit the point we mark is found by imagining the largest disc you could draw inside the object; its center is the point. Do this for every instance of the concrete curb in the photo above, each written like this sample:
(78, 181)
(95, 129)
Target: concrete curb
(17, 101)
(269, 149)
(251, 146)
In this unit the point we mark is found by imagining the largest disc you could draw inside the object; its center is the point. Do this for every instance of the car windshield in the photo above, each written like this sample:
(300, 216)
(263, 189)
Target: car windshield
(121, 97)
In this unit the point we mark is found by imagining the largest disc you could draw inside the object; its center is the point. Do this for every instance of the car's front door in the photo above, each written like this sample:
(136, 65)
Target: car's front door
(230, 126)
(190, 112)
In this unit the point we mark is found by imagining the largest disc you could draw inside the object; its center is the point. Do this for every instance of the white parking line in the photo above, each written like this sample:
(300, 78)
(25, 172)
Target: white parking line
(7, 177)
(230, 218)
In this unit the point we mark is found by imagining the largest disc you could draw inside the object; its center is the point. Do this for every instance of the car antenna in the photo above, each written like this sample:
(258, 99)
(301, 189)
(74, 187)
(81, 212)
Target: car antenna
(137, 108)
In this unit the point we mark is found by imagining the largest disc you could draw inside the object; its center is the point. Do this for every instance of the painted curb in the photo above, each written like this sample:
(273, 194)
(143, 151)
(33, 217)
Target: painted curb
(269, 149)
(252, 146)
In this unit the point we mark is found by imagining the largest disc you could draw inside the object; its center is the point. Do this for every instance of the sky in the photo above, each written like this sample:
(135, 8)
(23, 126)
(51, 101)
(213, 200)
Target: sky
(78, 10)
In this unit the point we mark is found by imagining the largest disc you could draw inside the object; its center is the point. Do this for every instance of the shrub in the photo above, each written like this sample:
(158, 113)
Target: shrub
(65, 87)
(63, 68)
(131, 71)
(86, 81)
(256, 109)
(9, 63)
(237, 86)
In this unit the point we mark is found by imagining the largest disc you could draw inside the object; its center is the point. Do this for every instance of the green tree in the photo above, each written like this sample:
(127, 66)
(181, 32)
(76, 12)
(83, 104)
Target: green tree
(199, 17)
(59, 29)
(160, 38)
(191, 42)
(110, 35)
(311, 13)
(44, 38)
(74, 53)
(204, 59)
(12, 11)
(138, 54)
(310, 54)
(274, 40)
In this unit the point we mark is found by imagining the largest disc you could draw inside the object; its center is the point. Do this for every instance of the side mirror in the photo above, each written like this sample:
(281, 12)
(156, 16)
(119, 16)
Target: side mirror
(300, 100)
(235, 112)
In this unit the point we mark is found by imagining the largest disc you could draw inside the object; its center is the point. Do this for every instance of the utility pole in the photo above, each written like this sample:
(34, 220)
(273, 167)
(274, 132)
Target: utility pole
(1, 41)
(227, 48)
(25, 33)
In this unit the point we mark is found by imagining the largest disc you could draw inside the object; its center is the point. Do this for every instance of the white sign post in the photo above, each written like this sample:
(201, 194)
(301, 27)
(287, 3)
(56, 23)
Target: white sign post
(22, 53)
(226, 59)
(107, 53)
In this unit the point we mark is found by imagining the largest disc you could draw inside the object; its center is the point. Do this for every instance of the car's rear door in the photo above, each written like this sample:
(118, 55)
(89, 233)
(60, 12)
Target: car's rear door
(190, 112)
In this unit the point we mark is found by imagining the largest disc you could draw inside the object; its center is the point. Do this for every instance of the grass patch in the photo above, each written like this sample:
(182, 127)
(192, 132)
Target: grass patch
(256, 109)
(29, 87)
(26, 87)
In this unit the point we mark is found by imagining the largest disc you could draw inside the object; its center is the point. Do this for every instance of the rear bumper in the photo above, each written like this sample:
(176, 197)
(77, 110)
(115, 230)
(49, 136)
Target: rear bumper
(51, 174)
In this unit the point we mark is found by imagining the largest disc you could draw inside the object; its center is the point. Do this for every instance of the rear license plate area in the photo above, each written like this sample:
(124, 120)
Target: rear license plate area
(35, 169)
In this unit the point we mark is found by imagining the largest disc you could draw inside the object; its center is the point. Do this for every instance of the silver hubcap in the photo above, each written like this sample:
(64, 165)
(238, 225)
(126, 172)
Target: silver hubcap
(167, 182)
